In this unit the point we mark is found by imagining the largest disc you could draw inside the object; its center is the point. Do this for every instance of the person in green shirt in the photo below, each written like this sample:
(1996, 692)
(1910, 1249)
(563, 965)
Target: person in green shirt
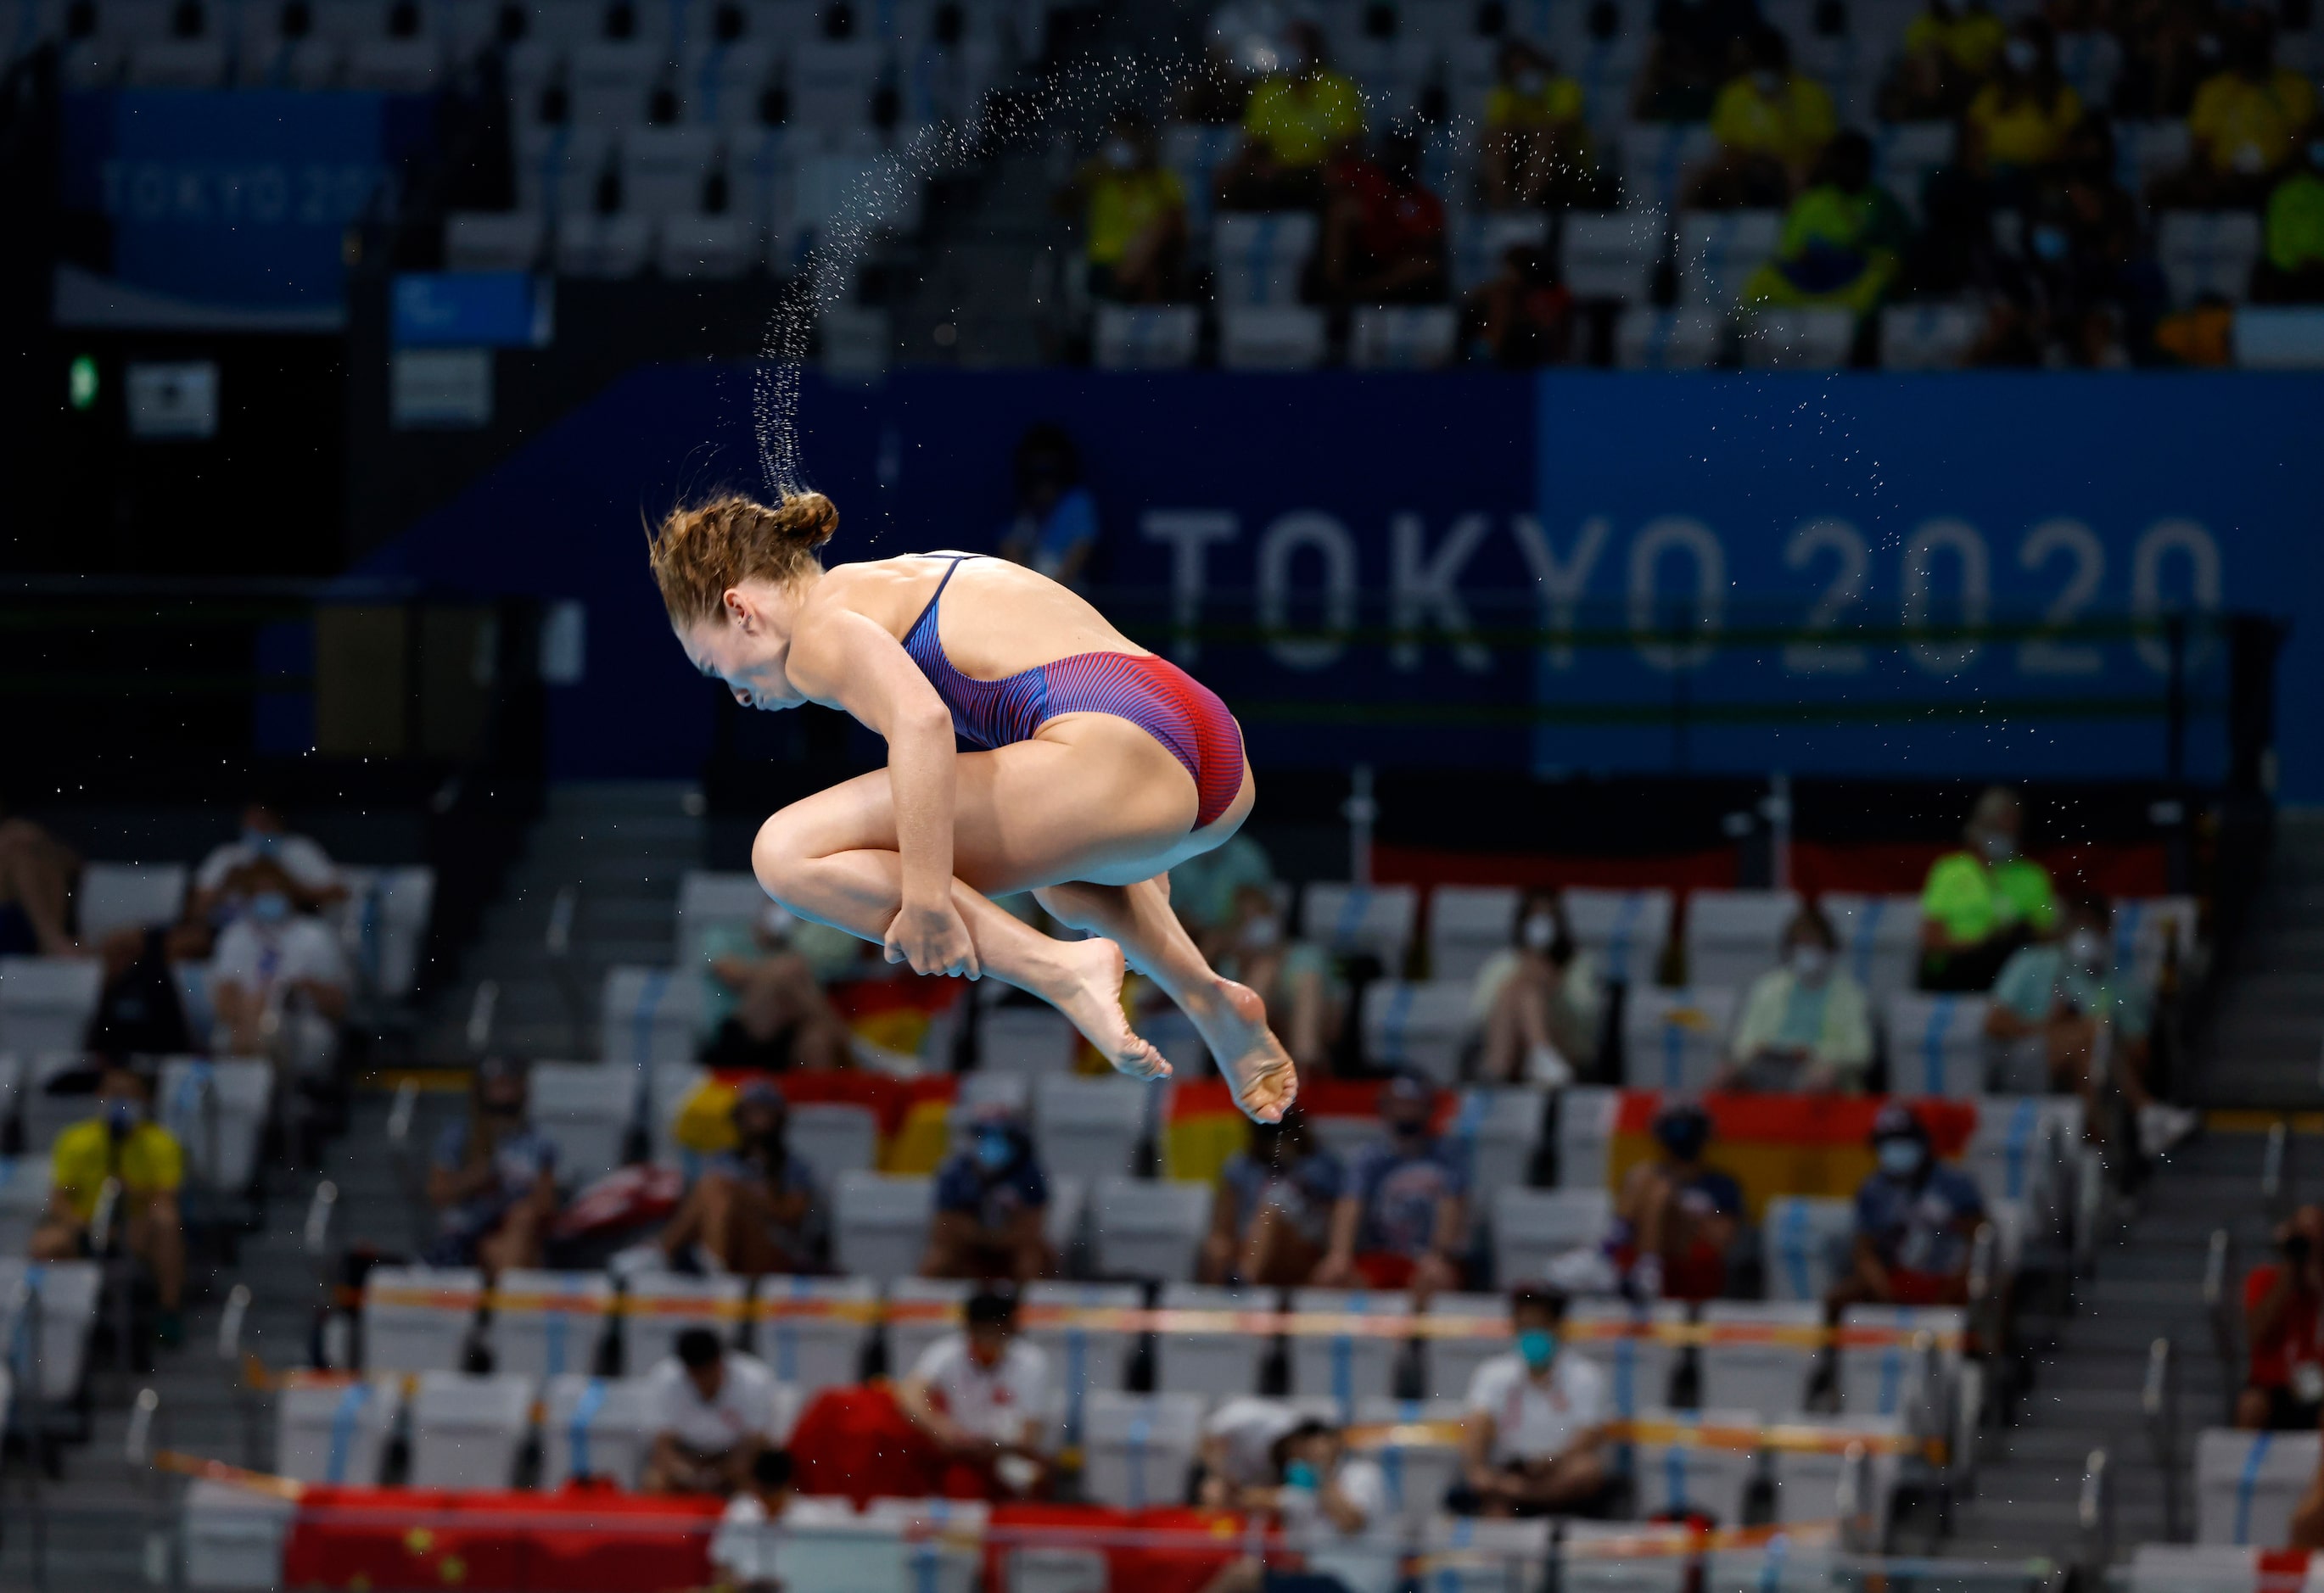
(1985, 901)
(1806, 1024)
(1842, 240)
(1297, 120)
(2059, 992)
(2291, 269)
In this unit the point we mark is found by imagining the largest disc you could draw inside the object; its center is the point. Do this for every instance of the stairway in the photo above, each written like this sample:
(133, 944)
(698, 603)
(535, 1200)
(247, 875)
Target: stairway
(2266, 1048)
(621, 849)
(2087, 1382)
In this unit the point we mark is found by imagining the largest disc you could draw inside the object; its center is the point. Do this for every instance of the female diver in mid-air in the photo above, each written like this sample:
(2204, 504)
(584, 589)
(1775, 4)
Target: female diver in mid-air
(1105, 767)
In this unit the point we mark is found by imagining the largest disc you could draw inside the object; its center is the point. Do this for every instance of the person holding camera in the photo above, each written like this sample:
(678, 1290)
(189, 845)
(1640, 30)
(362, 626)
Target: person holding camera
(2283, 1384)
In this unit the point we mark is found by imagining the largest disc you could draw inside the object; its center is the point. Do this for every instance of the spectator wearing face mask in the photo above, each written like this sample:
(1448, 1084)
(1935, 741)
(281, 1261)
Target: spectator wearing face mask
(2247, 124)
(1535, 147)
(1401, 1219)
(1771, 123)
(2066, 996)
(1133, 218)
(1299, 118)
(1915, 1222)
(754, 1210)
(278, 983)
(2019, 125)
(123, 1144)
(493, 1180)
(313, 878)
(980, 1394)
(770, 1014)
(1383, 239)
(1272, 1220)
(1675, 1216)
(1236, 1464)
(1329, 1500)
(993, 1205)
(2291, 267)
(1983, 902)
(1949, 51)
(1306, 996)
(2284, 1320)
(1532, 1442)
(1538, 1001)
(1806, 1024)
(1843, 239)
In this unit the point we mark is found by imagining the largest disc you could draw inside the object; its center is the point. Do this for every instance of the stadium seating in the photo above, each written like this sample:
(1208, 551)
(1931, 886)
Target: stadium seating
(594, 1427)
(2208, 253)
(2279, 338)
(650, 1016)
(1026, 1040)
(1467, 924)
(1638, 1368)
(921, 1310)
(55, 1095)
(1217, 1366)
(1375, 921)
(128, 896)
(1879, 939)
(1345, 1367)
(418, 1319)
(1089, 1128)
(1418, 1471)
(1937, 1046)
(1807, 1480)
(1625, 930)
(1681, 1475)
(1464, 1554)
(46, 1002)
(1804, 1240)
(219, 1111)
(1419, 1025)
(1733, 937)
(2246, 1484)
(880, 1225)
(812, 1332)
(1150, 1230)
(1769, 1374)
(1811, 339)
(57, 1301)
(24, 1197)
(1718, 251)
(1145, 337)
(1447, 1364)
(1532, 1228)
(1500, 1130)
(834, 1138)
(1667, 339)
(1406, 338)
(335, 1429)
(1612, 258)
(1586, 1116)
(466, 1431)
(547, 1324)
(1139, 1447)
(1676, 1040)
(660, 1305)
(382, 922)
(586, 1109)
(1901, 1379)
(1082, 1360)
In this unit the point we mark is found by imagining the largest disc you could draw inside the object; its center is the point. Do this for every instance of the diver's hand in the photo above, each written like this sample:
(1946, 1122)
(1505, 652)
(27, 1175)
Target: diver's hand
(934, 939)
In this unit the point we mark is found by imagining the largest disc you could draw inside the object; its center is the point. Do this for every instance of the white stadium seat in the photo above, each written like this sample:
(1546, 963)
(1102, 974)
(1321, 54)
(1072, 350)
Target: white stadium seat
(1145, 337)
(46, 1002)
(1929, 337)
(834, 1138)
(1090, 1127)
(1026, 1040)
(384, 924)
(1769, 1375)
(2206, 253)
(1403, 337)
(1676, 1040)
(128, 896)
(60, 1298)
(1481, 244)
(812, 1332)
(2246, 1484)
(1807, 1481)
(1139, 1448)
(1260, 258)
(1676, 1478)
(217, 1111)
(1271, 338)
(1467, 924)
(1150, 1228)
(1419, 1474)
(1638, 1370)
(547, 1324)
(921, 1310)
(1899, 1380)
(648, 1015)
(1733, 937)
(1625, 930)
(1806, 1241)
(1448, 1364)
(2280, 337)
(1499, 1128)
(1937, 1046)
(1082, 1360)
(1813, 338)
(1586, 1119)
(24, 1200)
(335, 1429)
(1350, 1365)
(1464, 1554)
(1416, 1025)
(417, 1319)
(584, 1108)
(595, 1427)
(880, 1224)
(1377, 920)
(1879, 939)
(466, 1431)
(1611, 257)
(1719, 250)
(1220, 1365)
(709, 901)
(1532, 1228)
(663, 1304)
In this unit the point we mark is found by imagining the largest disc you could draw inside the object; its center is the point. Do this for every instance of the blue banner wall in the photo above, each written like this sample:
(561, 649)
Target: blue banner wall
(1954, 574)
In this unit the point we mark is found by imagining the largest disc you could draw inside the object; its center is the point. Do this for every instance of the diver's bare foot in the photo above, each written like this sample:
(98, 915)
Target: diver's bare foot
(1088, 990)
(1257, 1066)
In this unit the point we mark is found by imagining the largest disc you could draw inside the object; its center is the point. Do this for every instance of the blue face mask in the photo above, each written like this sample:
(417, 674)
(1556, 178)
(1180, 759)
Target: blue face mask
(995, 1151)
(2049, 243)
(1299, 1474)
(270, 907)
(1899, 1158)
(1538, 1346)
(265, 843)
(120, 1116)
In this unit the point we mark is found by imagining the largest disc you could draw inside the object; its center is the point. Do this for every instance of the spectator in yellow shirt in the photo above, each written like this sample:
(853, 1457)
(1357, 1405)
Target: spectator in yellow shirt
(123, 1144)
(1771, 123)
(2247, 121)
(1948, 53)
(2019, 123)
(1982, 903)
(1536, 147)
(2291, 269)
(1298, 119)
(1134, 219)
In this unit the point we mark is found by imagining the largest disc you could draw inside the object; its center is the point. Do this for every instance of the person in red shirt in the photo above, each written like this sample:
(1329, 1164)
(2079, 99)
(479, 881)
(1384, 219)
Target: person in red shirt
(2284, 1389)
(1383, 231)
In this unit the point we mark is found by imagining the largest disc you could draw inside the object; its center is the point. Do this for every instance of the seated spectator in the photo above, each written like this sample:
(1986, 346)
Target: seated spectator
(1306, 998)
(1055, 530)
(120, 1143)
(1271, 1219)
(1806, 1024)
(1530, 1442)
(713, 1411)
(1524, 316)
(1915, 1222)
(992, 1206)
(2283, 1321)
(1327, 1501)
(1133, 218)
(2248, 123)
(1383, 239)
(2019, 125)
(1401, 1220)
(1843, 239)
(1675, 1217)
(749, 1561)
(37, 874)
(2083, 284)
(314, 880)
(1535, 147)
(755, 1210)
(1299, 119)
(979, 1394)
(1235, 1455)
(2291, 269)
(2062, 993)
(1771, 123)
(1538, 999)
(278, 983)
(1948, 52)
(1982, 903)
(493, 1183)
(775, 1016)
(1693, 53)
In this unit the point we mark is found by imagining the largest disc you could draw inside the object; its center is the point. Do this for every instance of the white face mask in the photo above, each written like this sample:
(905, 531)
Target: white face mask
(2020, 54)
(1540, 932)
(1810, 963)
(2086, 949)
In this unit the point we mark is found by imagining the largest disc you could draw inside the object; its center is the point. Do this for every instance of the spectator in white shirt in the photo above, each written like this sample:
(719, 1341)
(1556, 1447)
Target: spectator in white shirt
(1806, 1024)
(980, 1394)
(278, 982)
(1330, 1502)
(314, 879)
(1237, 1450)
(714, 1413)
(1531, 1442)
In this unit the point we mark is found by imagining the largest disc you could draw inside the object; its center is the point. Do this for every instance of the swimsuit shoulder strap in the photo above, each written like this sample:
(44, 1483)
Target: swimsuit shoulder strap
(923, 635)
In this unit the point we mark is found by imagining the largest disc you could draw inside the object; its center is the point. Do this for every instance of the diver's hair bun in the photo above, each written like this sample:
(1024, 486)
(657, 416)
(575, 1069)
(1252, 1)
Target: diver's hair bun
(700, 551)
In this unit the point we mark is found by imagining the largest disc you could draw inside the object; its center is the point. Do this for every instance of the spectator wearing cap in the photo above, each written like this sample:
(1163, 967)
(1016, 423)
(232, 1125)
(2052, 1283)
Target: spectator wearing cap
(1272, 1220)
(1384, 237)
(1306, 997)
(1133, 217)
(1055, 530)
(1675, 1215)
(1327, 1499)
(756, 1208)
(713, 1411)
(1984, 901)
(1806, 1024)
(1536, 999)
(2283, 1321)
(2064, 994)
(1916, 1221)
(1771, 123)
(278, 982)
(494, 1181)
(312, 879)
(1532, 1435)
(981, 1393)
(1299, 117)
(2291, 267)
(124, 1145)
(1535, 146)
(1401, 1217)
(769, 1011)
(993, 1205)
(2248, 123)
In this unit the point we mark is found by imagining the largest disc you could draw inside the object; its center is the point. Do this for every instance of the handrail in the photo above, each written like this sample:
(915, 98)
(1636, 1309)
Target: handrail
(2095, 1513)
(399, 1114)
(2276, 1169)
(482, 1008)
(100, 1220)
(2159, 1403)
(2225, 1311)
(318, 1232)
